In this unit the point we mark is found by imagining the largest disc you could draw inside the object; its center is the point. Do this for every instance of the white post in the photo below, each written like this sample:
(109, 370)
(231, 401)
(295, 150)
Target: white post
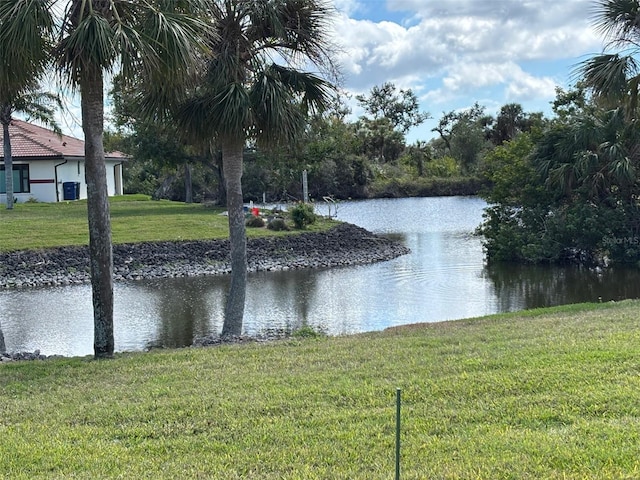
(305, 187)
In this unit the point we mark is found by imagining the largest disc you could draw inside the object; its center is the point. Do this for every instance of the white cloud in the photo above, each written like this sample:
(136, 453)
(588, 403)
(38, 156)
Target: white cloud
(456, 52)
(348, 7)
(527, 87)
(467, 78)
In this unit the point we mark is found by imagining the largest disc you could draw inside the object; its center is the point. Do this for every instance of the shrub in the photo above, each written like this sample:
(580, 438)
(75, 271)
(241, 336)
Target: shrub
(307, 331)
(277, 224)
(444, 167)
(426, 187)
(302, 215)
(255, 222)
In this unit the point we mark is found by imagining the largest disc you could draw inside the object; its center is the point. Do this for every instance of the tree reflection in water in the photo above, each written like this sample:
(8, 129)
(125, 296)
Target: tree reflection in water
(3, 348)
(520, 287)
(186, 308)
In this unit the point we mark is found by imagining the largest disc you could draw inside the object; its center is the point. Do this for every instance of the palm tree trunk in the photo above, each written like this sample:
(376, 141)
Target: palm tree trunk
(100, 247)
(8, 165)
(222, 190)
(232, 165)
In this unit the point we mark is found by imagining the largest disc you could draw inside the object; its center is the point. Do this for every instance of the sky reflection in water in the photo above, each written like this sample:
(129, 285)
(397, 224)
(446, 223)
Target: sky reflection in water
(443, 278)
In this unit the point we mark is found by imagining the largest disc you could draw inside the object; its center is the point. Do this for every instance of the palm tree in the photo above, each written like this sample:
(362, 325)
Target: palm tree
(616, 76)
(254, 89)
(20, 69)
(156, 39)
(597, 152)
(36, 105)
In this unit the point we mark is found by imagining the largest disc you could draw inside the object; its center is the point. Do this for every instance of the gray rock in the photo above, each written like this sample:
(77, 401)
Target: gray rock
(342, 245)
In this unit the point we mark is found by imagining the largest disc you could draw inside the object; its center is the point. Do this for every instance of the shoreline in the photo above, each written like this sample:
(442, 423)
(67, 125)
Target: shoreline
(343, 245)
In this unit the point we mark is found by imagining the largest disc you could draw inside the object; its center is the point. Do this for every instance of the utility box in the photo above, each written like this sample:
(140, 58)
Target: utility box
(71, 190)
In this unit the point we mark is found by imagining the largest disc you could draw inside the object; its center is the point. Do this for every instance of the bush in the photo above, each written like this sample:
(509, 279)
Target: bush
(255, 222)
(307, 331)
(302, 215)
(277, 224)
(426, 187)
(444, 167)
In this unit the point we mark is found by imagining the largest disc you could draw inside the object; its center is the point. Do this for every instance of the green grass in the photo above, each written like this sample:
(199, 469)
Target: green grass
(134, 218)
(543, 394)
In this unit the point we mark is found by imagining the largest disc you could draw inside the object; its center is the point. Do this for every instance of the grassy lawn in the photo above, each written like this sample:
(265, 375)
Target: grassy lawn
(539, 394)
(134, 218)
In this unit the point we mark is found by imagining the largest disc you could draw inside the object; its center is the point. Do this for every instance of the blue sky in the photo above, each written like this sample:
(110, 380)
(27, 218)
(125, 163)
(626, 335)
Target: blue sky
(452, 53)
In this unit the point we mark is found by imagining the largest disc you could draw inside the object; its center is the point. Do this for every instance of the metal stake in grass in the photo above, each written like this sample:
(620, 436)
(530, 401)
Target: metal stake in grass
(398, 433)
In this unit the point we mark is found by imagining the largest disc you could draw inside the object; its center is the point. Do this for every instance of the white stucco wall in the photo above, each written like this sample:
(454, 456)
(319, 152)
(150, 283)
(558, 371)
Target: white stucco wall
(72, 171)
(42, 176)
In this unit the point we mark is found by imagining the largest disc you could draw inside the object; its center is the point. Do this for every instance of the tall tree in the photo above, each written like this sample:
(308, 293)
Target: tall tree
(254, 89)
(379, 140)
(20, 70)
(463, 134)
(157, 39)
(616, 76)
(454, 120)
(393, 113)
(400, 107)
(511, 121)
(36, 105)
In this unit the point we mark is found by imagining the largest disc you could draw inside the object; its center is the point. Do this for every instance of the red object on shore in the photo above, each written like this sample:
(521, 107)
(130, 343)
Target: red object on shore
(255, 211)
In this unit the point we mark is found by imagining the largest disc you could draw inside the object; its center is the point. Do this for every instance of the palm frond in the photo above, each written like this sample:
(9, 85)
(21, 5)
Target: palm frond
(297, 30)
(622, 170)
(26, 33)
(192, 118)
(607, 74)
(316, 93)
(226, 113)
(158, 40)
(563, 178)
(89, 43)
(597, 183)
(584, 164)
(276, 111)
(170, 37)
(41, 107)
(618, 21)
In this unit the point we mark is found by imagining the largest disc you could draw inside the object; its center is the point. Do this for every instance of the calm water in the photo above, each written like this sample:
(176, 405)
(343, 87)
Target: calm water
(443, 278)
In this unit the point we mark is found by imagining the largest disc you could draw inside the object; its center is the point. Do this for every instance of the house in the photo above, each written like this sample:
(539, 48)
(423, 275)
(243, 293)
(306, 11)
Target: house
(50, 168)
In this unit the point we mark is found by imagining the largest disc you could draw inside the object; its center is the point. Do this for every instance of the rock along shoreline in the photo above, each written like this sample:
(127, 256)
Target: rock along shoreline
(342, 245)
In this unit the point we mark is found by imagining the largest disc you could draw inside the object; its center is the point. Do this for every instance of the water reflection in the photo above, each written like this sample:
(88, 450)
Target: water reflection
(443, 278)
(191, 302)
(53, 320)
(3, 347)
(283, 295)
(519, 287)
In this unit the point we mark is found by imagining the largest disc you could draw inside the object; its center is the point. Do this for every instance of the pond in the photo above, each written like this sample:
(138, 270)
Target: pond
(443, 278)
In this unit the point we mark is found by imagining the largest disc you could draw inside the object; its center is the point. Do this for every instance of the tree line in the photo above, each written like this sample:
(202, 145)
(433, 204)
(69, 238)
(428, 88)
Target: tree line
(569, 192)
(362, 158)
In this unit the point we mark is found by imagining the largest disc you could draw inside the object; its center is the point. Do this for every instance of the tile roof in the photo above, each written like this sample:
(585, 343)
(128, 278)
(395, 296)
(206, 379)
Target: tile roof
(32, 141)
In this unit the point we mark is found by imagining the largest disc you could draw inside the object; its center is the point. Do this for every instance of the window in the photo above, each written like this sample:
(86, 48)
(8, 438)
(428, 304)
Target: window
(20, 179)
